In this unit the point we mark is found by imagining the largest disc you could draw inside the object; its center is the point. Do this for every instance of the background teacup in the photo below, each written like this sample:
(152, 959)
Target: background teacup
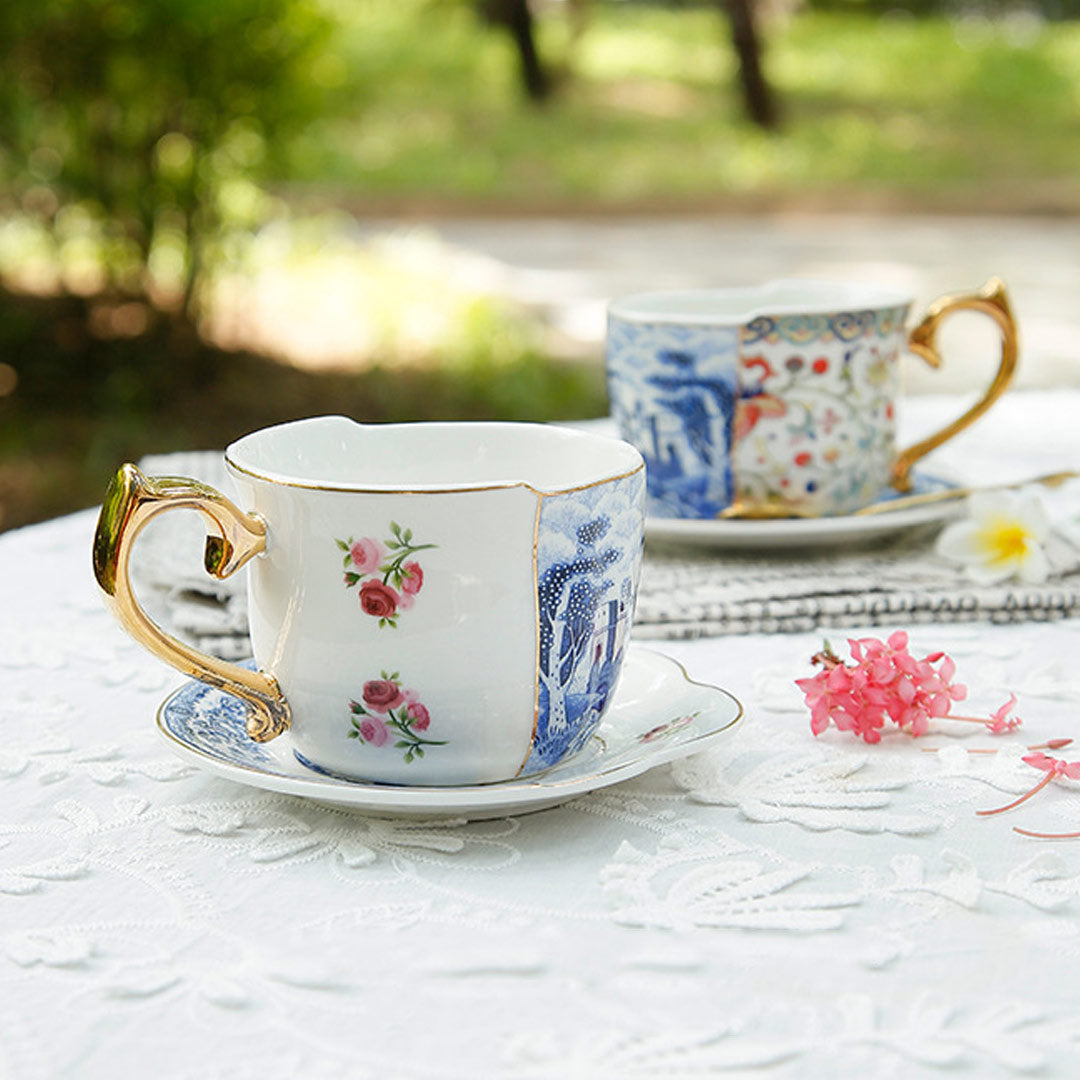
(428, 603)
(778, 400)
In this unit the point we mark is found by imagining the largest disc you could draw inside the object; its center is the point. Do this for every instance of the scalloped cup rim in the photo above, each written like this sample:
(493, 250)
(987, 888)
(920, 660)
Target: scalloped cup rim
(472, 455)
(736, 306)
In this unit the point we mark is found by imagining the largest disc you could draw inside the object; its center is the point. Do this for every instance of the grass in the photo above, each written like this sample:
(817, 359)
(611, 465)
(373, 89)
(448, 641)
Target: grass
(934, 111)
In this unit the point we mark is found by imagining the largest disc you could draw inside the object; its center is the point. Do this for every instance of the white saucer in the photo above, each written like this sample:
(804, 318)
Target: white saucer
(808, 532)
(658, 714)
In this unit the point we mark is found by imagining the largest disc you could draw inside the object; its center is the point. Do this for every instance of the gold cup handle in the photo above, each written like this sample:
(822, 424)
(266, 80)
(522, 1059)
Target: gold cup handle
(233, 538)
(991, 300)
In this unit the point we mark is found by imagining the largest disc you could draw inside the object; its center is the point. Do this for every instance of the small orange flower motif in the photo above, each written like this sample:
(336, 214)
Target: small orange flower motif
(749, 411)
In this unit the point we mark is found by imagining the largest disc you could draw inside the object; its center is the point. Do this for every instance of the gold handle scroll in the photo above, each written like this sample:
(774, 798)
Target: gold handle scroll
(991, 300)
(233, 538)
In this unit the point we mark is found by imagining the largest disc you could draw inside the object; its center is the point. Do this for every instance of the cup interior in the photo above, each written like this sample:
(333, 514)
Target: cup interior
(338, 453)
(721, 307)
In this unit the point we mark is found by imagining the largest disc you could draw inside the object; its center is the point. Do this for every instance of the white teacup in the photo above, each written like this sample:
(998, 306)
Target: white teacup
(779, 400)
(429, 603)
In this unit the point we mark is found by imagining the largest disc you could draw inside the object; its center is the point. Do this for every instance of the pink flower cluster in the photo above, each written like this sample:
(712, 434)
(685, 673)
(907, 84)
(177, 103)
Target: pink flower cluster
(388, 576)
(886, 683)
(377, 597)
(381, 697)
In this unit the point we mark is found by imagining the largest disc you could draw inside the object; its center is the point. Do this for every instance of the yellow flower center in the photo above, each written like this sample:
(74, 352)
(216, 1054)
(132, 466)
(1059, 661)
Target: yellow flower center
(1005, 541)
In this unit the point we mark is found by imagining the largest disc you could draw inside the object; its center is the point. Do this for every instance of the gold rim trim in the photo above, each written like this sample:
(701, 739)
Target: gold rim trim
(234, 537)
(536, 628)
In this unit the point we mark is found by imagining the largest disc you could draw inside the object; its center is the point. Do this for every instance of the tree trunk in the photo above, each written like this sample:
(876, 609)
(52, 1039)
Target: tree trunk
(516, 16)
(757, 95)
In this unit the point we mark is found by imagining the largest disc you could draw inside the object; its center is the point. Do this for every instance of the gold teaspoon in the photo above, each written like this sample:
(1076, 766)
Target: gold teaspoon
(906, 502)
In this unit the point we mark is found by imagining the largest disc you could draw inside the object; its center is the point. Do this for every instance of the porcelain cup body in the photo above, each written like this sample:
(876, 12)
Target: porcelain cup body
(779, 395)
(439, 603)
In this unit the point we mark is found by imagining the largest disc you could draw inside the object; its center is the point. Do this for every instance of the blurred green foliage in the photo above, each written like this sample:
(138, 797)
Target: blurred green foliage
(139, 125)
(84, 404)
(967, 110)
(145, 134)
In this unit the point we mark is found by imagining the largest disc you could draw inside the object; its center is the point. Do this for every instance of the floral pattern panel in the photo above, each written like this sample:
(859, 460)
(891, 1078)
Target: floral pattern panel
(588, 560)
(673, 395)
(815, 425)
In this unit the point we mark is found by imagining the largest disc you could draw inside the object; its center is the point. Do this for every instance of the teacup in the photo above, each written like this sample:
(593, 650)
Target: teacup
(777, 401)
(428, 603)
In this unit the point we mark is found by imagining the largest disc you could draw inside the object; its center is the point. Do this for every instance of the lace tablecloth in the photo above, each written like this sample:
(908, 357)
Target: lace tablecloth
(780, 906)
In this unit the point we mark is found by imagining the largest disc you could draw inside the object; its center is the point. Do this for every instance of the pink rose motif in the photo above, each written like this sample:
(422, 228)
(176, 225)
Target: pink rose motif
(412, 578)
(378, 599)
(382, 695)
(419, 717)
(373, 730)
(405, 601)
(366, 555)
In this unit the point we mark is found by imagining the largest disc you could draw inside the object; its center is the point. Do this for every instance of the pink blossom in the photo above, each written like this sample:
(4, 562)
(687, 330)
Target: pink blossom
(885, 683)
(366, 555)
(412, 578)
(378, 599)
(1000, 723)
(382, 695)
(373, 730)
(1054, 766)
(419, 717)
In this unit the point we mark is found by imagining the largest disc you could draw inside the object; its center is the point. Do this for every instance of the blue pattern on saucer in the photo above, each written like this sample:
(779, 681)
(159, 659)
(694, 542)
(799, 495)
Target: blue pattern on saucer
(216, 723)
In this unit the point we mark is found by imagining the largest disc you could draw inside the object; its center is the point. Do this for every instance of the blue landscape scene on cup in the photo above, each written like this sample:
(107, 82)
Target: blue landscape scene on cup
(589, 551)
(673, 394)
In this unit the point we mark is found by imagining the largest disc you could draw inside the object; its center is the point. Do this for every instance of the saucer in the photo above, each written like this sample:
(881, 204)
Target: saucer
(658, 714)
(789, 533)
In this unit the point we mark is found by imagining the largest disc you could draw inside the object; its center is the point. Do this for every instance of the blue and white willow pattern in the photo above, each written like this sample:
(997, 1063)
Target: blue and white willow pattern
(588, 560)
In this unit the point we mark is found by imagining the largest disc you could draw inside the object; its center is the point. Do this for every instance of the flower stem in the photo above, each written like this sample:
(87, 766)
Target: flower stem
(1047, 835)
(1023, 798)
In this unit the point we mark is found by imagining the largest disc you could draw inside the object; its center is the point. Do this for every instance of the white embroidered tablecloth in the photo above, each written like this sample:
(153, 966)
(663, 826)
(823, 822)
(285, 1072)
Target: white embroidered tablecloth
(781, 906)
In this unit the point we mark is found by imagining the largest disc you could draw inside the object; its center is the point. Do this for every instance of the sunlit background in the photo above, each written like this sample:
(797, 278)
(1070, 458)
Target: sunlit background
(216, 214)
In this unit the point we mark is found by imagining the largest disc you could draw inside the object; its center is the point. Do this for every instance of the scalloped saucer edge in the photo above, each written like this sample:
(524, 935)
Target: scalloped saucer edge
(658, 714)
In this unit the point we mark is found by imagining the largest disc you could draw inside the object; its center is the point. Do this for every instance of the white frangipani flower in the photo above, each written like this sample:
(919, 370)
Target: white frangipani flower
(1001, 538)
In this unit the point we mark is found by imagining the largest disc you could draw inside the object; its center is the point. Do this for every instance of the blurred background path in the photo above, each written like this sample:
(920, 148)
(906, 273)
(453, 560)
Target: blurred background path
(567, 269)
(558, 274)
